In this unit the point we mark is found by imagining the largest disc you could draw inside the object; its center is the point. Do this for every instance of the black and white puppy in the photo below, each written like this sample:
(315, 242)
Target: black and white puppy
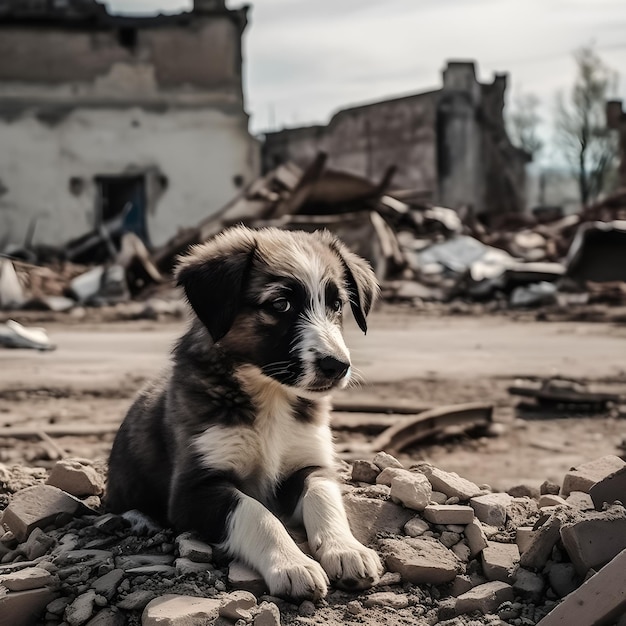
(237, 434)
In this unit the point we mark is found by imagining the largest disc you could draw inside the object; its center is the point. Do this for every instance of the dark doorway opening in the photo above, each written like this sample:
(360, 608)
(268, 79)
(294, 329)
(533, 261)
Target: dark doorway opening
(122, 206)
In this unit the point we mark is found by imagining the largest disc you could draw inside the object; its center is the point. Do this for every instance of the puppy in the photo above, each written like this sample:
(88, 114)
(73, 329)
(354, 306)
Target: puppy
(236, 436)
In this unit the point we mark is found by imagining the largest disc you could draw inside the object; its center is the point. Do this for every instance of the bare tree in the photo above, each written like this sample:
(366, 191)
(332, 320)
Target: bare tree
(581, 132)
(523, 123)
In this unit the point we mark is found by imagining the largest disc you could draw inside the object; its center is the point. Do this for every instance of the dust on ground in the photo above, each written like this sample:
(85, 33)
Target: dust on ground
(87, 384)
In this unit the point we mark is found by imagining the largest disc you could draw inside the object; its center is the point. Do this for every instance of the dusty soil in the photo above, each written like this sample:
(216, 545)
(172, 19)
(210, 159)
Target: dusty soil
(89, 381)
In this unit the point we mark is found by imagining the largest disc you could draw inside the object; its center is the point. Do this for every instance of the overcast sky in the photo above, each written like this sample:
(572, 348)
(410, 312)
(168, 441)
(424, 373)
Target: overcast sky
(305, 59)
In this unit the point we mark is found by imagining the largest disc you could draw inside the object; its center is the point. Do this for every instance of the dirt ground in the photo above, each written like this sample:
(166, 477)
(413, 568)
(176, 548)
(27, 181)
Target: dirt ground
(87, 384)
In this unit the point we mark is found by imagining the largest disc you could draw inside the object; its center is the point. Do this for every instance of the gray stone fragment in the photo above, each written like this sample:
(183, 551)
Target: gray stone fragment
(491, 508)
(186, 566)
(448, 514)
(416, 527)
(107, 585)
(29, 578)
(194, 549)
(563, 578)
(461, 584)
(237, 605)
(179, 610)
(79, 611)
(267, 615)
(306, 609)
(411, 489)
(383, 460)
(368, 516)
(583, 477)
(388, 474)
(136, 600)
(528, 585)
(462, 551)
(484, 598)
(448, 483)
(23, 608)
(476, 538)
(37, 544)
(241, 576)
(500, 561)
(37, 507)
(76, 478)
(364, 472)
(420, 560)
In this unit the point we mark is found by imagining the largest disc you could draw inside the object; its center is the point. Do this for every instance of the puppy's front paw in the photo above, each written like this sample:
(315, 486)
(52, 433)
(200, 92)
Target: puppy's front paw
(299, 577)
(349, 564)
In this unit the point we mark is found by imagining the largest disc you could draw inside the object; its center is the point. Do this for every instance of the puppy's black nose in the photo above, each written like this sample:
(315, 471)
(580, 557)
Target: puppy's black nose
(332, 368)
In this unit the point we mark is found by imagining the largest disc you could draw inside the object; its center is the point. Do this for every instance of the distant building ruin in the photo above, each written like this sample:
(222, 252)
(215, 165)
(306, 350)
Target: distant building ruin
(450, 146)
(135, 119)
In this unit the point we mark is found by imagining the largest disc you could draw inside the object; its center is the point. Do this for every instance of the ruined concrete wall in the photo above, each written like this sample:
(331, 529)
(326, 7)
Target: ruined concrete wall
(367, 140)
(113, 96)
(199, 152)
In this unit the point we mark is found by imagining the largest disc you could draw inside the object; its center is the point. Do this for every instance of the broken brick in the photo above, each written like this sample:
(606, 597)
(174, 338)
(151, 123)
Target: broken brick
(500, 561)
(583, 477)
(449, 514)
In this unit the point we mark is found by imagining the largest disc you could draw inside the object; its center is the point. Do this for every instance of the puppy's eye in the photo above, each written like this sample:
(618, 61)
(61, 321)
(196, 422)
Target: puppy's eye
(337, 305)
(281, 305)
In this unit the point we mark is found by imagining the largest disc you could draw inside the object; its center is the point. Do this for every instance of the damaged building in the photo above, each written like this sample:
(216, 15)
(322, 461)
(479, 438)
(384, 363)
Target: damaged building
(449, 146)
(133, 123)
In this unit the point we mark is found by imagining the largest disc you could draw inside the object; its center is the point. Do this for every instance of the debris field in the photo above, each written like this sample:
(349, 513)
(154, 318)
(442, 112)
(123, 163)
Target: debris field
(455, 554)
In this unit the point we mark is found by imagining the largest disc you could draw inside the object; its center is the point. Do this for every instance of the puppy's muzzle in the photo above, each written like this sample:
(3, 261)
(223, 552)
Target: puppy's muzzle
(332, 369)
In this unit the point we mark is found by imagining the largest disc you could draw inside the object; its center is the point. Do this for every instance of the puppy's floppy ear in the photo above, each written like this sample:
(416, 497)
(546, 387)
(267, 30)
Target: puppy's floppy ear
(361, 282)
(214, 276)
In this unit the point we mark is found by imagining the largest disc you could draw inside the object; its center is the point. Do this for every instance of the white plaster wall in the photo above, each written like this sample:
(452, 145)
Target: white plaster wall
(199, 151)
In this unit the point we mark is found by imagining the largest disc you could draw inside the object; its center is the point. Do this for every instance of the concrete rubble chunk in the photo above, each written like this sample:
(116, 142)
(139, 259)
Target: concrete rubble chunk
(520, 510)
(523, 537)
(583, 477)
(178, 610)
(416, 527)
(412, 490)
(29, 578)
(461, 584)
(364, 472)
(107, 584)
(600, 600)
(609, 489)
(563, 578)
(241, 576)
(500, 561)
(485, 598)
(107, 617)
(420, 560)
(539, 549)
(491, 508)
(194, 549)
(187, 566)
(449, 483)
(76, 478)
(23, 608)
(388, 474)
(581, 501)
(369, 516)
(476, 538)
(37, 507)
(528, 585)
(136, 600)
(237, 605)
(383, 460)
(37, 544)
(595, 538)
(549, 499)
(81, 609)
(267, 615)
(449, 514)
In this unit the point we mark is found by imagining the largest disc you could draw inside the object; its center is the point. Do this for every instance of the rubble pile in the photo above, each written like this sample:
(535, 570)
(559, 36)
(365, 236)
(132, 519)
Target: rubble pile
(456, 554)
(421, 253)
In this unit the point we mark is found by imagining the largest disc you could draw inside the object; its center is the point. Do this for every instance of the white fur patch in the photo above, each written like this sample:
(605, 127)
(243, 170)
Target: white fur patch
(275, 445)
(259, 539)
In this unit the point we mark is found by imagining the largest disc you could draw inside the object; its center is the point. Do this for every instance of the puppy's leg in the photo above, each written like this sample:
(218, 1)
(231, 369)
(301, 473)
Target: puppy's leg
(246, 530)
(345, 560)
